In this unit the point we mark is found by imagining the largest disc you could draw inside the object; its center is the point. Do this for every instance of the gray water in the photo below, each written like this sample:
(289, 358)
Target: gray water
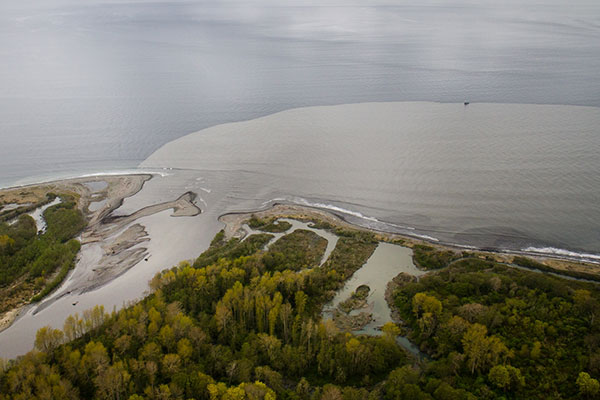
(385, 263)
(89, 85)
(509, 176)
(38, 214)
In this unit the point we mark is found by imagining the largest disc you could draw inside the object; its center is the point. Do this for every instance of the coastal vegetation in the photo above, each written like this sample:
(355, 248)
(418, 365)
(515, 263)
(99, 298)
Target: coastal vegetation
(33, 263)
(243, 321)
(428, 257)
(295, 251)
(271, 225)
(8, 214)
(235, 328)
(357, 300)
(498, 331)
(575, 273)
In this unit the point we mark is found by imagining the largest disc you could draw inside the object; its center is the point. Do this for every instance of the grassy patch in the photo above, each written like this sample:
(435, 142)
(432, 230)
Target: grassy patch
(428, 257)
(298, 250)
(268, 224)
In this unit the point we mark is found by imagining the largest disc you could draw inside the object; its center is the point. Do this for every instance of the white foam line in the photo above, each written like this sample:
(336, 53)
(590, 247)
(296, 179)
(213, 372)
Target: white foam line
(466, 246)
(90, 175)
(127, 172)
(342, 210)
(275, 200)
(425, 237)
(561, 252)
(410, 228)
(339, 209)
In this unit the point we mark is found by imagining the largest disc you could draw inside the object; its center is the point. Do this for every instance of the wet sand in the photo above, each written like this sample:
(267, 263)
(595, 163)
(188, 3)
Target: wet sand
(144, 226)
(109, 189)
(115, 241)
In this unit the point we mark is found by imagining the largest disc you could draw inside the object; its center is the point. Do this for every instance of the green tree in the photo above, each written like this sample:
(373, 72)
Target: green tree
(482, 351)
(499, 376)
(588, 386)
(47, 339)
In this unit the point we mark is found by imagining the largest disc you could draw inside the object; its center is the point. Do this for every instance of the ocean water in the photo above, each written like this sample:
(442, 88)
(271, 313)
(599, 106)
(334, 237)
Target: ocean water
(88, 85)
(508, 176)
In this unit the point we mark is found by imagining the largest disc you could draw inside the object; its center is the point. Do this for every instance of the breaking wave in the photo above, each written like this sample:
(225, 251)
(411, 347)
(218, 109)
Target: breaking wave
(562, 252)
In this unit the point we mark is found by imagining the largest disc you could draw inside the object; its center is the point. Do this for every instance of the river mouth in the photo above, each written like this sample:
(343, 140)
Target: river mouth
(497, 176)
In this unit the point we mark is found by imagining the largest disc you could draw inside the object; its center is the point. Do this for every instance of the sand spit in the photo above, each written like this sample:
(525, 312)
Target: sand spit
(116, 188)
(234, 221)
(107, 225)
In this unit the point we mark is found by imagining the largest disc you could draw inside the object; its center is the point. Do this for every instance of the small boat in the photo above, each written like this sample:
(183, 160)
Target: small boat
(466, 103)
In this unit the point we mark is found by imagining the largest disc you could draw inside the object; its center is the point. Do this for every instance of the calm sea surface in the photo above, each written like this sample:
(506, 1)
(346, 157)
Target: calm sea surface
(88, 85)
(508, 176)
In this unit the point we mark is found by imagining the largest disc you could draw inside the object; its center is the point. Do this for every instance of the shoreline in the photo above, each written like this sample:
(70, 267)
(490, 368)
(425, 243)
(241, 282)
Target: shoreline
(560, 265)
(579, 258)
(120, 239)
(115, 188)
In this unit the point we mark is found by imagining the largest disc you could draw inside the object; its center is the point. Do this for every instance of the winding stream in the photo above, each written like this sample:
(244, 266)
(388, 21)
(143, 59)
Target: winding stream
(38, 214)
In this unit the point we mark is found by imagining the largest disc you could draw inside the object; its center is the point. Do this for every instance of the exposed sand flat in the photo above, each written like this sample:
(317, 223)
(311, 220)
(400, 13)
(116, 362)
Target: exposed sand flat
(121, 250)
(182, 207)
(114, 188)
(109, 189)
(120, 238)
(8, 318)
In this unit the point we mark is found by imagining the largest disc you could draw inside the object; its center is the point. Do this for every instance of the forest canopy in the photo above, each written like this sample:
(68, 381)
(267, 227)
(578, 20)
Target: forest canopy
(33, 263)
(236, 325)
